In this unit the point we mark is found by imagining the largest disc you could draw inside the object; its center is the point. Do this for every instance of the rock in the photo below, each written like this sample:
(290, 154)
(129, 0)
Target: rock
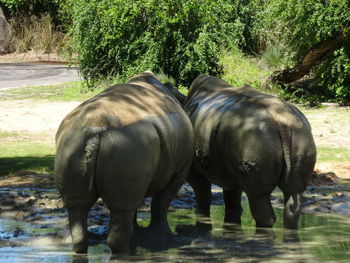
(5, 34)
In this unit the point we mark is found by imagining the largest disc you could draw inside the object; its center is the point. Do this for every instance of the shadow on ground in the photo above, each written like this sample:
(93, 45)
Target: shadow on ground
(26, 164)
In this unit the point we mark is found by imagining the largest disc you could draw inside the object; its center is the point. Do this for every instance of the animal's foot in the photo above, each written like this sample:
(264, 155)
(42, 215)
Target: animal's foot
(80, 247)
(154, 237)
(203, 228)
(160, 231)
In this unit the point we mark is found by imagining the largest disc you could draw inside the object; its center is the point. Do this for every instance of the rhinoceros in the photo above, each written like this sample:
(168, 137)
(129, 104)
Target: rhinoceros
(248, 141)
(130, 141)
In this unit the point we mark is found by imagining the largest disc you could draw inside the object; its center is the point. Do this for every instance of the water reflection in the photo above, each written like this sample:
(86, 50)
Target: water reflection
(320, 239)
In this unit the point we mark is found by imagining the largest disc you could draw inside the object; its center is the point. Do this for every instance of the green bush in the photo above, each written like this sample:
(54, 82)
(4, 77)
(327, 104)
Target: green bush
(334, 74)
(178, 38)
(274, 57)
(302, 24)
(12, 5)
(27, 8)
(299, 25)
(32, 7)
(240, 70)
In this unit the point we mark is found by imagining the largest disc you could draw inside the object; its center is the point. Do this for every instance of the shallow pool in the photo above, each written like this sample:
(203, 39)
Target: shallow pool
(321, 238)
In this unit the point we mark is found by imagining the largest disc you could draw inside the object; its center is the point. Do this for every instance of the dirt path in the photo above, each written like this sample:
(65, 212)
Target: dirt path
(330, 126)
(33, 116)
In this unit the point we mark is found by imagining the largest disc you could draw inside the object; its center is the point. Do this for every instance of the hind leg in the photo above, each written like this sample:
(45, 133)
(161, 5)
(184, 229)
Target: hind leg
(78, 207)
(202, 190)
(293, 198)
(74, 174)
(261, 209)
(77, 216)
(233, 207)
(293, 192)
(121, 228)
(162, 199)
(233, 211)
(292, 209)
(78, 201)
(160, 205)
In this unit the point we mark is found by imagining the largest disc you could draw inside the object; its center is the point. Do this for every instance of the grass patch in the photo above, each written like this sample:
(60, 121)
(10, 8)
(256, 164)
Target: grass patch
(70, 91)
(328, 154)
(4, 134)
(25, 148)
(39, 164)
(183, 89)
(36, 33)
(240, 70)
(24, 155)
(275, 57)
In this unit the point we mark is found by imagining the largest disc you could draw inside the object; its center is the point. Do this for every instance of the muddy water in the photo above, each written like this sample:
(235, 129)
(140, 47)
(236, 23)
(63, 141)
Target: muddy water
(34, 230)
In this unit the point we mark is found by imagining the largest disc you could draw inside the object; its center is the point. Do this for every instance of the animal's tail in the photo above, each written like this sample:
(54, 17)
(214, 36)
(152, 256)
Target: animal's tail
(286, 139)
(89, 162)
(293, 202)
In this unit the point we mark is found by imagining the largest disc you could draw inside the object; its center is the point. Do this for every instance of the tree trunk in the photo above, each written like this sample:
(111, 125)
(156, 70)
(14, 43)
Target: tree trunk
(316, 53)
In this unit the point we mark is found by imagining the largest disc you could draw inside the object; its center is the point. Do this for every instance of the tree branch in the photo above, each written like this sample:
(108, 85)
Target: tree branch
(316, 53)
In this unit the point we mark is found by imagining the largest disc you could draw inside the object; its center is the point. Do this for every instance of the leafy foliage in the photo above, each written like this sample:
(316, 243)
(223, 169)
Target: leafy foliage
(240, 70)
(177, 38)
(299, 25)
(37, 8)
(12, 4)
(31, 7)
(118, 38)
(334, 74)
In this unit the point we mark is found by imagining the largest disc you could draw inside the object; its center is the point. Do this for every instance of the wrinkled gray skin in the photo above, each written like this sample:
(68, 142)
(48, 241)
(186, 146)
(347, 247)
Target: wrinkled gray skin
(252, 142)
(131, 141)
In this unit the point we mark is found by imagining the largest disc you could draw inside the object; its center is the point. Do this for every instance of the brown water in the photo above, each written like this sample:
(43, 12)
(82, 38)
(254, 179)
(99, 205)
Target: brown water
(43, 237)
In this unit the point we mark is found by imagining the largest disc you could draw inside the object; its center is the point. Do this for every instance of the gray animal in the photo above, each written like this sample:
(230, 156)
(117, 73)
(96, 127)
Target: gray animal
(131, 141)
(252, 142)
